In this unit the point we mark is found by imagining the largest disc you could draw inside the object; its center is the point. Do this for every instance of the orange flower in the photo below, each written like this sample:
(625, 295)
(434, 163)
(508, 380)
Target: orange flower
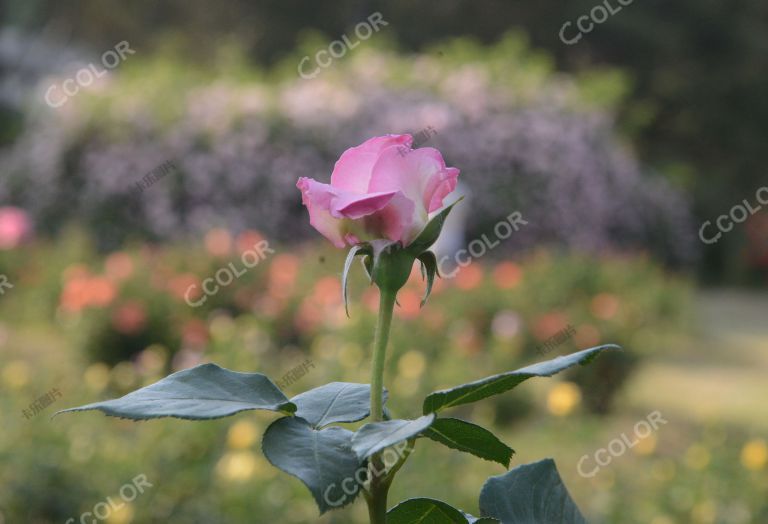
(587, 336)
(410, 303)
(507, 275)
(179, 285)
(101, 291)
(118, 266)
(548, 325)
(282, 275)
(605, 306)
(218, 242)
(469, 277)
(327, 291)
(129, 318)
(247, 240)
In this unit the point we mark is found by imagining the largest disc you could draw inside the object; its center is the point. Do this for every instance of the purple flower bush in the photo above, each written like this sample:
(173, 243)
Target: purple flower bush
(527, 140)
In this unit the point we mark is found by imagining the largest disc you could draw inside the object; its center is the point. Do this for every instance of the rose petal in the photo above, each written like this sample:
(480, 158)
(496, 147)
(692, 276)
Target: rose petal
(421, 175)
(354, 206)
(395, 221)
(440, 187)
(318, 197)
(352, 171)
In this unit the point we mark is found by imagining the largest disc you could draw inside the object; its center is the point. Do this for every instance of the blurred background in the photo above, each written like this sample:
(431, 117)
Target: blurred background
(146, 145)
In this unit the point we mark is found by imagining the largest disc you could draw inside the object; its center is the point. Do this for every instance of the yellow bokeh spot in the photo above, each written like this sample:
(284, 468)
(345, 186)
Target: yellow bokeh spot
(96, 376)
(704, 513)
(124, 375)
(697, 457)
(664, 471)
(16, 374)
(646, 446)
(237, 466)
(242, 434)
(350, 356)
(754, 454)
(122, 514)
(563, 398)
(412, 364)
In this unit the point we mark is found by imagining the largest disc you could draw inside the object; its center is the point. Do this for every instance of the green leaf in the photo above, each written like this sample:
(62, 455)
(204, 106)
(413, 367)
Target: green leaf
(496, 384)
(430, 511)
(374, 437)
(467, 437)
(530, 494)
(359, 249)
(334, 402)
(429, 266)
(431, 231)
(321, 459)
(203, 392)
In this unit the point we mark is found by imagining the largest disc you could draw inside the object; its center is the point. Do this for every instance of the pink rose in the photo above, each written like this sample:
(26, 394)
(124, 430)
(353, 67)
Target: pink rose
(14, 227)
(381, 189)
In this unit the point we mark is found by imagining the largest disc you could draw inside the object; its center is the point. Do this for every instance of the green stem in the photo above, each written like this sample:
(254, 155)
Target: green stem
(379, 486)
(386, 307)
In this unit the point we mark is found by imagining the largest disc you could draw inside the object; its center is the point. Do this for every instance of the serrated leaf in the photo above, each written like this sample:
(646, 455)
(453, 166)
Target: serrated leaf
(429, 266)
(430, 511)
(376, 436)
(359, 249)
(496, 384)
(203, 392)
(334, 402)
(530, 494)
(322, 459)
(431, 231)
(470, 438)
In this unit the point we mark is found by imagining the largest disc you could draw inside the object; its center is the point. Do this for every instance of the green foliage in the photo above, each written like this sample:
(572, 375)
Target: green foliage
(201, 393)
(470, 438)
(484, 388)
(430, 511)
(531, 493)
(322, 459)
(334, 403)
(376, 436)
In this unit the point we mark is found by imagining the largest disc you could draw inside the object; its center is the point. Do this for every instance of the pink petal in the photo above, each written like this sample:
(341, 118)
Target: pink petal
(318, 197)
(421, 175)
(352, 171)
(354, 206)
(440, 187)
(395, 221)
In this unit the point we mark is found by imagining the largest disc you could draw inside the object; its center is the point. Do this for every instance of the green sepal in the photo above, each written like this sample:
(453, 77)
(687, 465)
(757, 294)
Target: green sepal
(359, 249)
(431, 231)
(429, 268)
